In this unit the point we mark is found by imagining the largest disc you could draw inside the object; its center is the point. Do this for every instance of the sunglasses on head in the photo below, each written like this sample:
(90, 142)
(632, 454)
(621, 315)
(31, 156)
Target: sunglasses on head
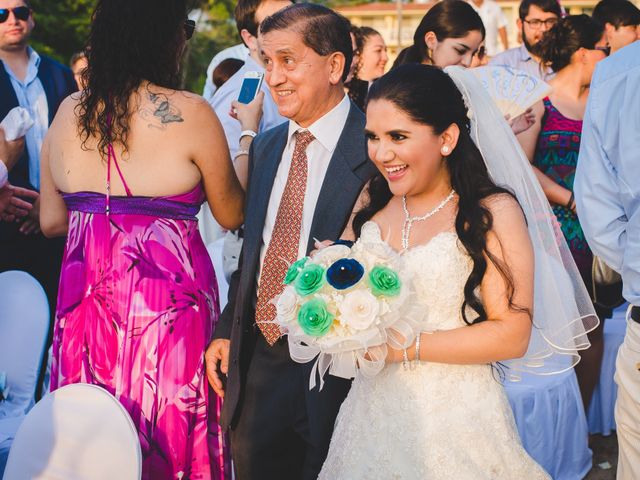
(189, 28)
(21, 13)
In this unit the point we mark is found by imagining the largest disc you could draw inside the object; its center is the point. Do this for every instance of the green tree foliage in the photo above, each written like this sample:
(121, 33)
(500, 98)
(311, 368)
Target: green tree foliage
(62, 26)
(216, 31)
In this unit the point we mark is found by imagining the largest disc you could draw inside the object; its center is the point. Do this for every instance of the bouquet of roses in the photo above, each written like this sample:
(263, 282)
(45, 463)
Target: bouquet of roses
(344, 305)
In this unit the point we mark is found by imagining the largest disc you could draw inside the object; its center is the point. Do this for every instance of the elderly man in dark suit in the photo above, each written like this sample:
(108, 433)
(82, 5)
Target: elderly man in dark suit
(305, 177)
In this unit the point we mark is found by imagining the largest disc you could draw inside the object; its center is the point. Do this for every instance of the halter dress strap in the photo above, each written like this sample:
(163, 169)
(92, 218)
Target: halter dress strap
(112, 154)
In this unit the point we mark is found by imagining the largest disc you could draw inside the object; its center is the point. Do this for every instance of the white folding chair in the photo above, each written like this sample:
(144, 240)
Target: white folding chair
(24, 323)
(78, 432)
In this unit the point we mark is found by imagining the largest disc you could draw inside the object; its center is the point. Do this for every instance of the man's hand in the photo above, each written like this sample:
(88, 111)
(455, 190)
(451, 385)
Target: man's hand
(10, 152)
(12, 203)
(31, 224)
(218, 351)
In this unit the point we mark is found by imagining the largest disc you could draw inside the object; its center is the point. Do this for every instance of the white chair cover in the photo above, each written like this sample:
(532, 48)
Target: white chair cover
(24, 323)
(551, 421)
(78, 432)
(601, 418)
(215, 252)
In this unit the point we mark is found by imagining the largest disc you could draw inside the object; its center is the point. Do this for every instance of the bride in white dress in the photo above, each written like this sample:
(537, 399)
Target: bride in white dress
(438, 409)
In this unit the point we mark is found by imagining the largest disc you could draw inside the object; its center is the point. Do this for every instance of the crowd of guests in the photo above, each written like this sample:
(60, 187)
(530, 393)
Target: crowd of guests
(120, 160)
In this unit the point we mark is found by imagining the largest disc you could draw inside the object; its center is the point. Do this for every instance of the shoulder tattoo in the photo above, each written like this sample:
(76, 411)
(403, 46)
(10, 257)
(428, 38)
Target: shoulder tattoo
(161, 112)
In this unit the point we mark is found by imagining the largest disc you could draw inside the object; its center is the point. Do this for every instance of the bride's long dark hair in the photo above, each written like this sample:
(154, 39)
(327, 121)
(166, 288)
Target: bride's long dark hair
(429, 96)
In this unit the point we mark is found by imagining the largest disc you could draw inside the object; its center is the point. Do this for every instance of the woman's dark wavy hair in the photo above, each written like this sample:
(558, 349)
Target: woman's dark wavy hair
(429, 96)
(447, 19)
(130, 42)
(566, 38)
(362, 37)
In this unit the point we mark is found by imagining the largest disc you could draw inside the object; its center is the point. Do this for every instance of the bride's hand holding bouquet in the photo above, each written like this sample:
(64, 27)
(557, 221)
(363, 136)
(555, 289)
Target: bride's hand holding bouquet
(345, 306)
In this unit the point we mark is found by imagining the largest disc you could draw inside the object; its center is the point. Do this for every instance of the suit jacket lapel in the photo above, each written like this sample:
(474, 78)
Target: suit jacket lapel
(263, 177)
(341, 185)
(8, 98)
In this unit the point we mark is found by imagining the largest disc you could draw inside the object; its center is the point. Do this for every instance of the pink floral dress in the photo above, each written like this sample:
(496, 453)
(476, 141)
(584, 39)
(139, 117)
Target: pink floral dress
(137, 304)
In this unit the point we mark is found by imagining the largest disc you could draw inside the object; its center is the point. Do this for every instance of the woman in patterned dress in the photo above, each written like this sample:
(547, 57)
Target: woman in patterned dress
(572, 49)
(125, 166)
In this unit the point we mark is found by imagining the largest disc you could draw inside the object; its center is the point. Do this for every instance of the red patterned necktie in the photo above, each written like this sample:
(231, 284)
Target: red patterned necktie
(285, 238)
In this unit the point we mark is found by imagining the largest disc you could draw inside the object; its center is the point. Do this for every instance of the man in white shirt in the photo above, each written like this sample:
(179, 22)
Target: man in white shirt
(495, 25)
(38, 84)
(239, 51)
(305, 176)
(535, 18)
(249, 14)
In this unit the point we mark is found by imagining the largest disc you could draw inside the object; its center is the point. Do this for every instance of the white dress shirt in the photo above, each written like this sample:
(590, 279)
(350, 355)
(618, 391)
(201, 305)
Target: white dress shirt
(327, 131)
(4, 174)
(229, 92)
(237, 51)
(493, 19)
(519, 58)
(31, 95)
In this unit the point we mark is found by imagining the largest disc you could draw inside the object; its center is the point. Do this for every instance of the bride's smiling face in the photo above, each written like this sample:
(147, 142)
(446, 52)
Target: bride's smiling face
(409, 154)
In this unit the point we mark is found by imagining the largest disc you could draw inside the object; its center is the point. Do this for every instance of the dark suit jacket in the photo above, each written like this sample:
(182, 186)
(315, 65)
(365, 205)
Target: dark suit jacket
(58, 83)
(348, 171)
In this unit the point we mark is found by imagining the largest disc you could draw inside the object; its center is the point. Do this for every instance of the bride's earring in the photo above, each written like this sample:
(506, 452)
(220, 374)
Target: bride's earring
(445, 150)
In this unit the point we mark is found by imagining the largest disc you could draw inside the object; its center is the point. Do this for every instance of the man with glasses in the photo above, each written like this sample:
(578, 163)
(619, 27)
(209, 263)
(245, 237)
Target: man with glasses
(536, 17)
(38, 84)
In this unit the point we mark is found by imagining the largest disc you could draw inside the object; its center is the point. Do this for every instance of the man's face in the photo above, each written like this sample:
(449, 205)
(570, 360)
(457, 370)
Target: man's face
(264, 10)
(535, 25)
(301, 81)
(268, 8)
(78, 69)
(622, 36)
(14, 33)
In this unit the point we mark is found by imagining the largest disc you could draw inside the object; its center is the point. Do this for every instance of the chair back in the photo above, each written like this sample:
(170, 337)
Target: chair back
(24, 324)
(78, 432)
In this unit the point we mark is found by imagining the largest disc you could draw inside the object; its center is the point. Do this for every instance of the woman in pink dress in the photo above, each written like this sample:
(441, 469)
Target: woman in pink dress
(125, 167)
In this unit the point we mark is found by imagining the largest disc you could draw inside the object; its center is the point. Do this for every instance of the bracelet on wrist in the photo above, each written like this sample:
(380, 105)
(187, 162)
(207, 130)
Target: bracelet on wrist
(405, 359)
(417, 359)
(248, 133)
(570, 202)
(240, 153)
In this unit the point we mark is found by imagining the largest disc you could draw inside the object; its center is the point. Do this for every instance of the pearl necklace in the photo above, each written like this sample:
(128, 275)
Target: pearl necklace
(409, 220)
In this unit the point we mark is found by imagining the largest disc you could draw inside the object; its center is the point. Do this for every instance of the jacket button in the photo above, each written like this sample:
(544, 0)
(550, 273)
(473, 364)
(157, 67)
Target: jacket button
(235, 361)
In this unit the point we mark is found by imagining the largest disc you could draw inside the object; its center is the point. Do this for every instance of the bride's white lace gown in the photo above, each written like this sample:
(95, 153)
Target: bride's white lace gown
(435, 421)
